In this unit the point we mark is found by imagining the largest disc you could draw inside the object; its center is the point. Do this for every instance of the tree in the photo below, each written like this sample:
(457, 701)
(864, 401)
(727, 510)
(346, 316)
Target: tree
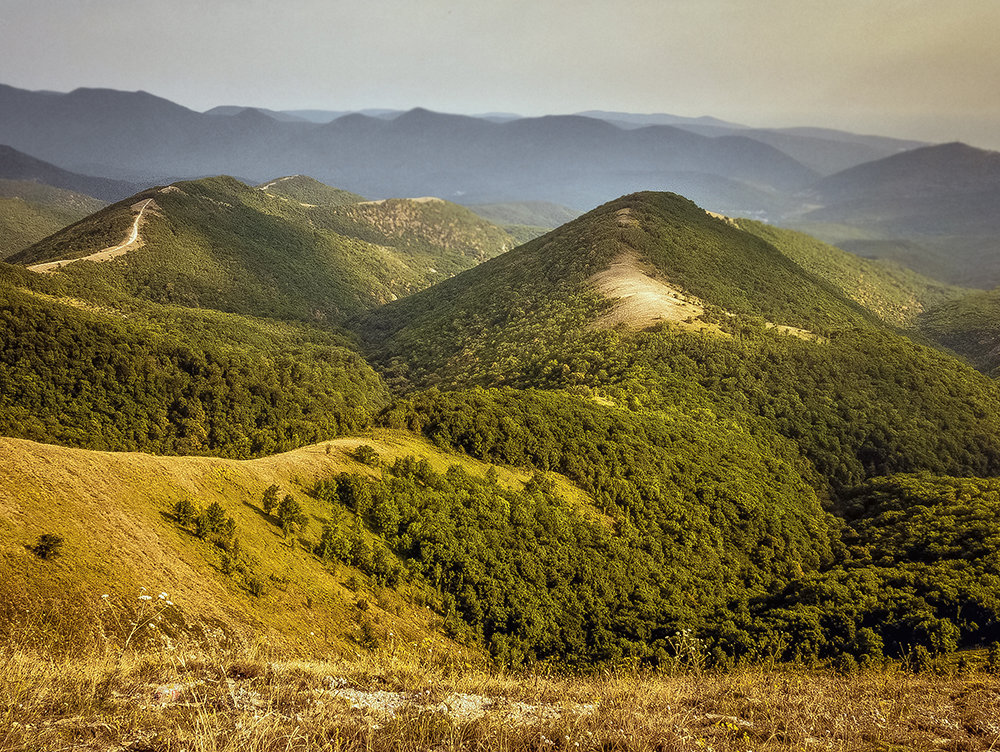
(213, 523)
(186, 512)
(270, 499)
(290, 515)
(361, 552)
(326, 548)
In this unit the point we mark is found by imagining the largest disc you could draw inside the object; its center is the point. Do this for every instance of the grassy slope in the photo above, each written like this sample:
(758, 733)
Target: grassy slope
(894, 293)
(31, 211)
(113, 509)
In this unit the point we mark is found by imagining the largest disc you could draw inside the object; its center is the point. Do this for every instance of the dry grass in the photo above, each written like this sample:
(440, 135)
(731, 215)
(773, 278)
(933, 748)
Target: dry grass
(166, 701)
(114, 511)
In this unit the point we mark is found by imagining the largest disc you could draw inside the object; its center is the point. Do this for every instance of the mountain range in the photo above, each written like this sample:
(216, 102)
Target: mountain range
(571, 419)
(921, 205)
(721, 394)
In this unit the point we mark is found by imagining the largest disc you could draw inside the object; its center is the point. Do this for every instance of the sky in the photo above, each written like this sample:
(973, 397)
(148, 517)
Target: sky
(920, 69)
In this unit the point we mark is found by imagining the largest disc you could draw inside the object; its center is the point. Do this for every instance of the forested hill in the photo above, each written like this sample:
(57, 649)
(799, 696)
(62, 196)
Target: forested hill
(217, 243)
(658, 245)
(856, 398)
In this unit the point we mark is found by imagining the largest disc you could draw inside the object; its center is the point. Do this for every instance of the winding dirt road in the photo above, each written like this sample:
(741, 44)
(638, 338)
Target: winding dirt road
(104, 255)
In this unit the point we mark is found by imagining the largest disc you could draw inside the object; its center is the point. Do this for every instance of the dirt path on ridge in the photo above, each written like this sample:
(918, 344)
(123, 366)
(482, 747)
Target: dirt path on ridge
(104, 255)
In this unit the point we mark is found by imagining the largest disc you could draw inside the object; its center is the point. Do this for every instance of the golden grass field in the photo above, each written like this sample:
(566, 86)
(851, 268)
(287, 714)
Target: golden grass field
(433, 701)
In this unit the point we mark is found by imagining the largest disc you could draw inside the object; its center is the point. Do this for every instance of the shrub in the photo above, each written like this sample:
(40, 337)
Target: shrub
(48, 546)
(185, 512)
(368, 638)
(920, 660)
(366, 455)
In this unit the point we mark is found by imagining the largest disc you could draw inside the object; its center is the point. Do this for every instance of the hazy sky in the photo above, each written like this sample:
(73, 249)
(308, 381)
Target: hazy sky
(915, 68)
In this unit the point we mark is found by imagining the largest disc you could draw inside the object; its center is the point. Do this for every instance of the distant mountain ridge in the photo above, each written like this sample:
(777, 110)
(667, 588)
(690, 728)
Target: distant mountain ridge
(935, 209)
(923, 206)
(577, 161)
(16, 165)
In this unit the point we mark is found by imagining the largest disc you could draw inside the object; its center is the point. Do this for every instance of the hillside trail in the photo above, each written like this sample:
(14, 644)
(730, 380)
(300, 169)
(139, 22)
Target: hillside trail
(103, 255)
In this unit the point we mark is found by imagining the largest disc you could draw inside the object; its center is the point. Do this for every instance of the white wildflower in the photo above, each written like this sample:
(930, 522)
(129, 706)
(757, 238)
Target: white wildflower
(163, 596)
(145, 597)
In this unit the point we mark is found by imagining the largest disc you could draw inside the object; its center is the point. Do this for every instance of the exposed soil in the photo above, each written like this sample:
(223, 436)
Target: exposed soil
(642, 300)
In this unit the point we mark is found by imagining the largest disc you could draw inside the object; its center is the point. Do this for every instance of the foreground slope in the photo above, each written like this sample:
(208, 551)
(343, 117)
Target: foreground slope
(114, 512)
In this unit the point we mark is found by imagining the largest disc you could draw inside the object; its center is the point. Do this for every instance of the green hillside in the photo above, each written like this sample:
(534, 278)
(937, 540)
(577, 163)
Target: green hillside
(970, 326)
(858, 401)
(217, 243)
(892, 292)
(435, 238)
(167, 379)
(31, 211)
(546, 290)
(778, 354)
(648, 436)
(920, 568)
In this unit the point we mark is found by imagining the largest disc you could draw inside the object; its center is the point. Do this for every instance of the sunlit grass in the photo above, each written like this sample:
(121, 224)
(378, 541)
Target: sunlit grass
(197, 700)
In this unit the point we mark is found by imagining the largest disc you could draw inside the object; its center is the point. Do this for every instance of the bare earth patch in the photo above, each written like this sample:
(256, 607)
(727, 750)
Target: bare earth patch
(642, 300)
(723, 217)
